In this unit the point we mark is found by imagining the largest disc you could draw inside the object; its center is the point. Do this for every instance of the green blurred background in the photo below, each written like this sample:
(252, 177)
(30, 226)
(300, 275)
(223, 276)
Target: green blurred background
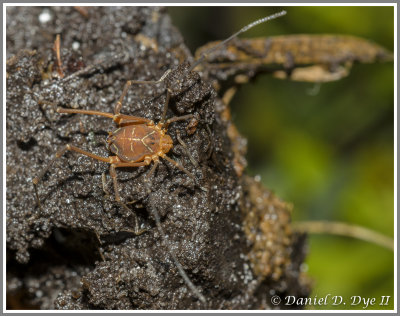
(329, 153)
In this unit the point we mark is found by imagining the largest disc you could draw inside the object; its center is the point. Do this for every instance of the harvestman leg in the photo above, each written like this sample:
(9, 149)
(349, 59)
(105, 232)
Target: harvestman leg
(113, 173)
(120, 119)
(178, 137)
(59, 154)
(111, 160)
(118, 106)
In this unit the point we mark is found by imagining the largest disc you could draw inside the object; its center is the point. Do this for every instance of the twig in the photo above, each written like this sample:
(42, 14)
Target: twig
(344, 229)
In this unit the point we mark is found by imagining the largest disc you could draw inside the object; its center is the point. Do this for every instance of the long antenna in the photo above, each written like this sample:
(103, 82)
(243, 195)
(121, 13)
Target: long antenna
(242, 30)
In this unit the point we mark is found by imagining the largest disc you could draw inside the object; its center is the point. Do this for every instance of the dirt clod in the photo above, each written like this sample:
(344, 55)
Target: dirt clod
(79, 250)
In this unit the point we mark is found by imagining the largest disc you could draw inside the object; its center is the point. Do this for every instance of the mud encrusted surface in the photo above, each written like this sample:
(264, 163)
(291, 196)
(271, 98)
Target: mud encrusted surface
(80, 251)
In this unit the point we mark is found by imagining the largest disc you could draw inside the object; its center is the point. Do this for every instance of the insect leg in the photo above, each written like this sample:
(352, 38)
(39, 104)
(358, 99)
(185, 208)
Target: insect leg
(60, 153)
(118, 106)
(118, 118)
(164, 238)
(178, 136)
(113, 174)
(182, 272)
(164, 114)
(89, 112)
(137, 231)
(104, 184)
(152, 170)
(156, 216)
(178, 118)
(180, 167)
(122, 119)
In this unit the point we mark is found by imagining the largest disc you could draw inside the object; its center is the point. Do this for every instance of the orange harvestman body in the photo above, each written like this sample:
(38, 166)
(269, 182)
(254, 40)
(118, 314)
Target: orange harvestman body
(137, 142)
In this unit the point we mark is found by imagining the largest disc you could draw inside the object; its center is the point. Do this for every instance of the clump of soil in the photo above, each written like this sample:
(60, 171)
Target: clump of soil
(80, 250)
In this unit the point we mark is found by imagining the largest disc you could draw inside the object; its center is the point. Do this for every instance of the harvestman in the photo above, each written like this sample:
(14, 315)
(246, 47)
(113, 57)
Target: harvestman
(139, 141)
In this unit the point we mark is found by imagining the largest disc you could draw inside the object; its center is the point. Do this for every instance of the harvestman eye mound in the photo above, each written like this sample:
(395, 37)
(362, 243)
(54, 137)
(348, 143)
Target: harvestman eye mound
(140, 141)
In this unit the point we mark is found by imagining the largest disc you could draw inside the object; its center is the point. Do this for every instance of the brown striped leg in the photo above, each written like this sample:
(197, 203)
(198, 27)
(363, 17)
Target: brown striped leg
(178, 118)
(180, 167)
(113, 174)
(59, 154)
(118, 106)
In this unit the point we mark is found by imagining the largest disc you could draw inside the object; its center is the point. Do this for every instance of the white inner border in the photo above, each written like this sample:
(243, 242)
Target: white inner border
(5, 5)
